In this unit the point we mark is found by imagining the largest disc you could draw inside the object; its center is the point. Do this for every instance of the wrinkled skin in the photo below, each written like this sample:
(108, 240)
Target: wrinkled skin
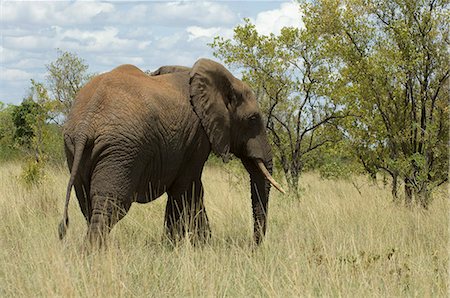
(131, 137)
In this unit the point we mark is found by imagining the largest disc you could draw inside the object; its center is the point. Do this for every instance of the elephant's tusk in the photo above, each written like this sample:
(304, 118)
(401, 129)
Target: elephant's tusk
(266, 173)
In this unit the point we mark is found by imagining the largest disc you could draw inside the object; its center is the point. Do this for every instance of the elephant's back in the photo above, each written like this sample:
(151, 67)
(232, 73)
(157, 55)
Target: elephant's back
(128, 94)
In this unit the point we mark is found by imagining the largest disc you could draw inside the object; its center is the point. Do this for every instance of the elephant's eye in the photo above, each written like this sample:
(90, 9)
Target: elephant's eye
(253, 118)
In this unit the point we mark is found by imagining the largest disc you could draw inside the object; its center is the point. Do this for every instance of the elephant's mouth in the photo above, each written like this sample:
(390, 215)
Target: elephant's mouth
(266, 174)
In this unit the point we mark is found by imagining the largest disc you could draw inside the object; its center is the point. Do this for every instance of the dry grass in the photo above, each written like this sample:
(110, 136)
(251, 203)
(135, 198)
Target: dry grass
(333, 242)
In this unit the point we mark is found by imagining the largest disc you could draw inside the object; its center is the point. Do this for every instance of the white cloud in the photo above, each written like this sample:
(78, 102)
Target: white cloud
(93, 40)
(193, 13)
(63, 13)
(136, 14)
(28, 63)
(168, 42)
(7, 55)
(272, 21)
(106, 39)
(53, 13)
(137, 32)
(266, 22)
(28, 42)
(81, 12)
(118, 60)
(196, 32)
(11, 74)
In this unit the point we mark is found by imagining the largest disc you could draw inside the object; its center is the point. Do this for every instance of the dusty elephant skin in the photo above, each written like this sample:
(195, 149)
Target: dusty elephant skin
(131, 137)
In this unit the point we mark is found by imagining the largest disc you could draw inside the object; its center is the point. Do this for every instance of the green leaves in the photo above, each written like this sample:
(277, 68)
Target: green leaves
(392, 72)
(370, 72)
(66, 75)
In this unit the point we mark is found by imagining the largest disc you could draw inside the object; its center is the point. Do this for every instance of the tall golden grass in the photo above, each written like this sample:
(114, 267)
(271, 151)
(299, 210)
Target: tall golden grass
(334, 241)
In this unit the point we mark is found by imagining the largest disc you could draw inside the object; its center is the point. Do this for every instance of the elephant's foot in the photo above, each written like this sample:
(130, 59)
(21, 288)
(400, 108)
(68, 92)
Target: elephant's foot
(186, 214)
(98, 230)
(196, 230)
(201, 229)
(96, 238)
(105, 214)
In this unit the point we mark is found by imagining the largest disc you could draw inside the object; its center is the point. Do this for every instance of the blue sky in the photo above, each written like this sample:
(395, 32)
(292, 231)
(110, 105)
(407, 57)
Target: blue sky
(147, 34)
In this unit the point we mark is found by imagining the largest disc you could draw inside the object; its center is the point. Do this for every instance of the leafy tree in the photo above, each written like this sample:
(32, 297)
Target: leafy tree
(6, 124)
(23, 117)
(38, 139)
(392, 59)
(7, 132)
(287, 73)
(334, 161)
(30, 119)
(65, 78)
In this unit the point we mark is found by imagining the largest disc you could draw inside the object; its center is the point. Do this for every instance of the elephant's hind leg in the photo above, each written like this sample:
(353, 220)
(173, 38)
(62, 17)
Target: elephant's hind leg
(83, 199)
(106, 212)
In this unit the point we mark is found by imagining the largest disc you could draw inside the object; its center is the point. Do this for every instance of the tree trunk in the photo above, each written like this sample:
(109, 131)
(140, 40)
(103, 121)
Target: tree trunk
(408, 193)
(394, 186)
(424, 196)
(292, 177)
(294, 185)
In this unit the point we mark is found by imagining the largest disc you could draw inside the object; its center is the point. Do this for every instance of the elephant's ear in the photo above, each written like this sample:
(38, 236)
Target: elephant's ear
(210, 91)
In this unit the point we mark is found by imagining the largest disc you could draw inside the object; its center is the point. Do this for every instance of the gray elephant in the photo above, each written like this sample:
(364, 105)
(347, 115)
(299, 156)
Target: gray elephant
(169, 69)
(131, 137)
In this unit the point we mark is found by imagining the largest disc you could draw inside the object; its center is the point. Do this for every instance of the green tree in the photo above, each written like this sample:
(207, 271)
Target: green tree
(392, 59)
(30, 119)
(38, 139)
(6, 123)
(66, 75)
(23, 116)
(288, 74)
(7, 132)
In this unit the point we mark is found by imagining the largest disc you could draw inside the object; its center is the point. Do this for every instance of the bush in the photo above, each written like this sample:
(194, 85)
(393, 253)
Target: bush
(33, 172)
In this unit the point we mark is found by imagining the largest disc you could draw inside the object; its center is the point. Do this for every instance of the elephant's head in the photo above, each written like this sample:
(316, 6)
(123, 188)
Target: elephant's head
(230, 115)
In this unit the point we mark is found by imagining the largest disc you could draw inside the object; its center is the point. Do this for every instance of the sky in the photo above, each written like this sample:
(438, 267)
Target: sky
(107, 34)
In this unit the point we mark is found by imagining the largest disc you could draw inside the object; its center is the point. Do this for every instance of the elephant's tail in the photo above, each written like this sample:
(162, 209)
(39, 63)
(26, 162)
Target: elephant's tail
(79, 146)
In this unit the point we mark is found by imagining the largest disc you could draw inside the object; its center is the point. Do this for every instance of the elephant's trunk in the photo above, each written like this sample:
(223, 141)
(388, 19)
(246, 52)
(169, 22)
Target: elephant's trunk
(260, 188)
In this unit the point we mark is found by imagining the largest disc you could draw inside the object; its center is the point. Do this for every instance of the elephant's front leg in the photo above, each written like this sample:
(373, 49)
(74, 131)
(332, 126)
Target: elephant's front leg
(186, 213)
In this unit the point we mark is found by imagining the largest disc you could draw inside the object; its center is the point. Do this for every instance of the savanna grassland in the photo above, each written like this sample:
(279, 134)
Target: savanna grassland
(334, 241)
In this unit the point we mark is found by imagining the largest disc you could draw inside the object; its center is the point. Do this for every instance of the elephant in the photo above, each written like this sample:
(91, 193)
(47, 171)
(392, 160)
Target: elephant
(130, 138)
(169, 69)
